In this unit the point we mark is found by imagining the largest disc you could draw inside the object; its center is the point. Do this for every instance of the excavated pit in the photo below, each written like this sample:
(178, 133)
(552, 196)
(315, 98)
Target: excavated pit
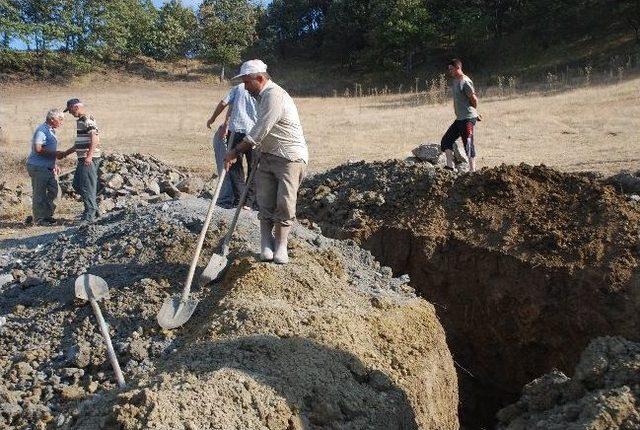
(525, 265)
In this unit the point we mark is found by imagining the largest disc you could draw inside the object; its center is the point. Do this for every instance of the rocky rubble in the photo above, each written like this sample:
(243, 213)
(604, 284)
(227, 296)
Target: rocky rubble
(603, 394)
(127, 180)
(266, 348)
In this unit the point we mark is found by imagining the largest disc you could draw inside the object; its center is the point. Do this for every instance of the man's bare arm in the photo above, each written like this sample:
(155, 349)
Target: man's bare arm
(216, 112)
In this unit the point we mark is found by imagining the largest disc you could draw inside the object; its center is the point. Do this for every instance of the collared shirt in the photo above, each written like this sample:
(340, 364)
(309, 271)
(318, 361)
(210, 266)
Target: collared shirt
(44, 135)
(278, 130)
(243, 109)
(463, 89)
(85, 127)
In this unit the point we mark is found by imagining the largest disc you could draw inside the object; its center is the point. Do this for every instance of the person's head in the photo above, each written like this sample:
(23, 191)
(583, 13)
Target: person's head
(454, 68)
(54, 118)
(75, 107)
(254, 76)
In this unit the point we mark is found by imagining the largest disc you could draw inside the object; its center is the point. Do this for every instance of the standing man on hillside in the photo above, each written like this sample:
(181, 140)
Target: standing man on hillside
(284, 155)
(41, 165)
(465, 103)
(240, 118)
(87, 148)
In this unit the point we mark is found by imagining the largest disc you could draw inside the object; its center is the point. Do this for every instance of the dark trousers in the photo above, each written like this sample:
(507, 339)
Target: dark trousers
(461, 128)
(237, 173)
(44, 191)
(85, 182)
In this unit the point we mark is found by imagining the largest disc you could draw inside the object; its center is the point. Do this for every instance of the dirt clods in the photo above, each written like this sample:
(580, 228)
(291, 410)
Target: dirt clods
(603, 394)
(525, 264)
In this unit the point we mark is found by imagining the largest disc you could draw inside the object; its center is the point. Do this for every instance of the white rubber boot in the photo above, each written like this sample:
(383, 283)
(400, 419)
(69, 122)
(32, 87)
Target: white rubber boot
(281, 234)
(266, 240)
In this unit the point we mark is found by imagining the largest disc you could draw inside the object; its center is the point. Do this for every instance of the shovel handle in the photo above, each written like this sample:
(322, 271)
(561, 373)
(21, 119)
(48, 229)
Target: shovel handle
(107, 339)
(236, 215)
(203, 233)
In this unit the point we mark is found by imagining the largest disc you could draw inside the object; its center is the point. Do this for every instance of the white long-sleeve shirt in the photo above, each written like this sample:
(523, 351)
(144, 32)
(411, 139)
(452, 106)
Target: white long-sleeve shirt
(278, 130)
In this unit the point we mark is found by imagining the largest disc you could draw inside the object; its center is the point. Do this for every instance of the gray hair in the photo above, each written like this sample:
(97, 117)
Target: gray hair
(54, 114)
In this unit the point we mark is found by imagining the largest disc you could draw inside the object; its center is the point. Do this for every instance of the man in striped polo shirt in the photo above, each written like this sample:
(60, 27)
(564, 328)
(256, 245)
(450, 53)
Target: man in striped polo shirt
(87, 148)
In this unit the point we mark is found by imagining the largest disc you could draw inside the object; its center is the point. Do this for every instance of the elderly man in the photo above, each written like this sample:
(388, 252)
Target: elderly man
(240, 118)
(283, 158)
(87, 148)
(41, 165)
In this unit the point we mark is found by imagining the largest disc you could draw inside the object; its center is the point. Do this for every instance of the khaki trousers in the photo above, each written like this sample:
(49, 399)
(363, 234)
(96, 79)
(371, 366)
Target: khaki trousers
(277, 181)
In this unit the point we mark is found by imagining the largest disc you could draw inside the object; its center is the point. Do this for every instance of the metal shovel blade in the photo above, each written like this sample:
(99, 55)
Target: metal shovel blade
(216, 266)
(175, 312)
(89, 287)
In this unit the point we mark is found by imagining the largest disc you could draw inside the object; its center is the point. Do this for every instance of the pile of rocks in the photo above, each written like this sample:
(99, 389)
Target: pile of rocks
(127, 180)
(604, 392)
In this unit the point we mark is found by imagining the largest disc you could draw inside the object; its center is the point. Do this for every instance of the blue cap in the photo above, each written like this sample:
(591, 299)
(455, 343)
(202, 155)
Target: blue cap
(70, 103)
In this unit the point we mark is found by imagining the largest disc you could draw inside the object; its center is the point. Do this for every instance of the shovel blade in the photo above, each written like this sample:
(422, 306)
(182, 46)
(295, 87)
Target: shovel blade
(91, 287)
(216, 266)
(174, 312)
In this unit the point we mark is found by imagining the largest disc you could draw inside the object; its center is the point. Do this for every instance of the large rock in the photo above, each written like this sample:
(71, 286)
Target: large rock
(604, 393)
(191, 185)
(114, 181)
(429, 152)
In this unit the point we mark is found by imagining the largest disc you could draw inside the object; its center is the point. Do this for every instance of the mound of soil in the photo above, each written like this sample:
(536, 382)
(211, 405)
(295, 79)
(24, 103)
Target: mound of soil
(331, 340)
(526, 264)
(604, 393)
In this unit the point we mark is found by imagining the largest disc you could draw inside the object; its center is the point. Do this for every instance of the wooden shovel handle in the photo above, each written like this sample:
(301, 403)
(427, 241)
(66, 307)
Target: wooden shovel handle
(243, 198)
(203, 233)
(107, 339)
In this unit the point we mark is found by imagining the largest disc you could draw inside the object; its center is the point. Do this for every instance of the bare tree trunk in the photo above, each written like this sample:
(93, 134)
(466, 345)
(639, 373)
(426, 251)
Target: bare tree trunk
(222, 73)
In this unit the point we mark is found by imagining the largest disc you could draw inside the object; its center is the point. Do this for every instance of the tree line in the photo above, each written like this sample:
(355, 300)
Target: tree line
(383, 34)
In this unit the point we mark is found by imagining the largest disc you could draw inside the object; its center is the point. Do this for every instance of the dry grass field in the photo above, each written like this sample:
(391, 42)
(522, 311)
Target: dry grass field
(590, 128)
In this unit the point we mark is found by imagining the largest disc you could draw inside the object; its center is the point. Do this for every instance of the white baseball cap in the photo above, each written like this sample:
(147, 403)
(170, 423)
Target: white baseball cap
(251, 66)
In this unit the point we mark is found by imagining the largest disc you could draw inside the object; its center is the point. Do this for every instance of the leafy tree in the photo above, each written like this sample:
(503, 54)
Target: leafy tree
(174, 32)
(227, 28)
(11, 24)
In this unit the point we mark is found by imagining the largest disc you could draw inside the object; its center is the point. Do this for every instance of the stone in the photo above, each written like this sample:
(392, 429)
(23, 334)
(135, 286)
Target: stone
(10, 410)
(113, 180)
(191, 185)
(152, 188)
(170, 189)
(428, 152)
(5, 279)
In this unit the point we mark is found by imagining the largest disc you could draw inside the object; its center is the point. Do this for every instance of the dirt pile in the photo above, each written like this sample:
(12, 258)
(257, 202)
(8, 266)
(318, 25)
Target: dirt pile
(604, 393)
(331, 340)
(525, 264)
(127, 180)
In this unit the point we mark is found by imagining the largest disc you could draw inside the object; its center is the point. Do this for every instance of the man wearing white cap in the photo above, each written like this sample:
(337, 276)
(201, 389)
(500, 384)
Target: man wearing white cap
(278, 136)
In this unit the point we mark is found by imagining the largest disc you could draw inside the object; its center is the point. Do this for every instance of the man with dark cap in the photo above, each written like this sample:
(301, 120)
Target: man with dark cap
(87, 148)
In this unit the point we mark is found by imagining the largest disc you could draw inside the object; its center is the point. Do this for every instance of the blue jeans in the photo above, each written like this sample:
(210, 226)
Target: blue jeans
(220, 149)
